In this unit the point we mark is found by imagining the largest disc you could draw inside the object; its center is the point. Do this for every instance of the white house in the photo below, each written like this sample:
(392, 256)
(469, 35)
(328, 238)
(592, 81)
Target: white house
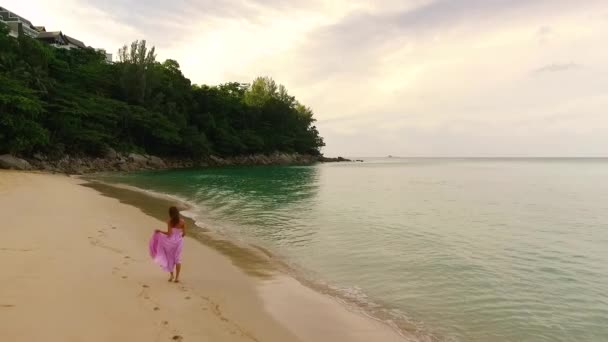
(17, 24)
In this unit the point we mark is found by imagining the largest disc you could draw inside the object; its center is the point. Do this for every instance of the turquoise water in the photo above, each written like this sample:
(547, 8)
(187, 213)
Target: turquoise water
(461, 249)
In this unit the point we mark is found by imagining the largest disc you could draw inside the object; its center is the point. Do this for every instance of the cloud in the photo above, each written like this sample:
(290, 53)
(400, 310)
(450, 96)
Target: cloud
(545, 34)
(401, 77)
(557, 67)
(360, 35)
(168, 23)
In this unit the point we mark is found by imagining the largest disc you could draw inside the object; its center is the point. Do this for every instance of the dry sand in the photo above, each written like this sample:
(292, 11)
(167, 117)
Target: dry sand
(75, 268)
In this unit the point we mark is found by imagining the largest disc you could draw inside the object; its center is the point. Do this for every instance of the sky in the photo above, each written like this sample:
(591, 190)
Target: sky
(456, 78)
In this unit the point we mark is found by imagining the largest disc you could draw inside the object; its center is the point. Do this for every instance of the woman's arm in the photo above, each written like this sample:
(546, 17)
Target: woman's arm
(183, 228)
(168, 232)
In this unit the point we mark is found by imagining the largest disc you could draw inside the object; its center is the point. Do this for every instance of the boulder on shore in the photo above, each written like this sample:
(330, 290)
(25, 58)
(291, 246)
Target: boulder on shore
(110, 154)
(8, 161)
(39, 157)
(138, 158)
(217, 161)
(156, 162)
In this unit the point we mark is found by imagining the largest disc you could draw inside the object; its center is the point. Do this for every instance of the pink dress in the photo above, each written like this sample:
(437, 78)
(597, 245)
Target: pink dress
(165, 250)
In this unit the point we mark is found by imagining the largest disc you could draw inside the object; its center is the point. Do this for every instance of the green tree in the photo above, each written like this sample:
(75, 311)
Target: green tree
(72, 101)
(135, 63)
(20, 130)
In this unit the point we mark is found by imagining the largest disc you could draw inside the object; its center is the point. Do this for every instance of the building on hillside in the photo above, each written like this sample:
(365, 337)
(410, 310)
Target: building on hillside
(108, 55)
(59, 40)
(17, 24)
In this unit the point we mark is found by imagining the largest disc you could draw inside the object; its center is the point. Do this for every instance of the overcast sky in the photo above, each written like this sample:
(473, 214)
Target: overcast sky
(407, 78)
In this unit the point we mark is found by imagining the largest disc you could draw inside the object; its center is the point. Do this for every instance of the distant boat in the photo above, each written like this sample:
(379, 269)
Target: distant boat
(390, 156)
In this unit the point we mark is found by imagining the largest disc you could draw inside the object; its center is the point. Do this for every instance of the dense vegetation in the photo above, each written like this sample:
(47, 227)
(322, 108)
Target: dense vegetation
(58, 101)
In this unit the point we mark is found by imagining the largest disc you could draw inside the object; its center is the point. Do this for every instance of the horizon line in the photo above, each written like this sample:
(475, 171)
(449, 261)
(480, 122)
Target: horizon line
(477, 157)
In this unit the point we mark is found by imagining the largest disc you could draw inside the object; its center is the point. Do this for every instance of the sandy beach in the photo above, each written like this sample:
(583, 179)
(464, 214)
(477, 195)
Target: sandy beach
(76, 268)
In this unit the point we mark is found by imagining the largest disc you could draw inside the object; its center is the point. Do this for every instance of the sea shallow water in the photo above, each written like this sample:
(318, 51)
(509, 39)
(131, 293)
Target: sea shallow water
(456, 249)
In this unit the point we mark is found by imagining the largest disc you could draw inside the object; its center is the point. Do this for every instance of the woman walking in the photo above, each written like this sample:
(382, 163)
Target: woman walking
(166, 247)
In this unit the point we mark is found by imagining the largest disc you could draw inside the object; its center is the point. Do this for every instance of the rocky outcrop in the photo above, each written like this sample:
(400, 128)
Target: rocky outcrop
(276, 158)
(114, 161)
(333, 160)
(111, 154)
(156, 163)
(138, 159)
(10, 162)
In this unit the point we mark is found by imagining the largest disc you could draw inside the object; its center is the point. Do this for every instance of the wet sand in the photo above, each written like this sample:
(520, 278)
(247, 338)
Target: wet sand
(75, 268)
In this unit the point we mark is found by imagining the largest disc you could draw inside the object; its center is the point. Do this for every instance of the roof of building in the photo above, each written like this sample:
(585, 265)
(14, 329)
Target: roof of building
(60, 36)
(6, 15)
(76, 42)
(52, 34)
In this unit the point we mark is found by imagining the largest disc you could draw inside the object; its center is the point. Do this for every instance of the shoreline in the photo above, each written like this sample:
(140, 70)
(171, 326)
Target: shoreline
(259, 260)
(275, 273)
(113, 161)
(107, 255)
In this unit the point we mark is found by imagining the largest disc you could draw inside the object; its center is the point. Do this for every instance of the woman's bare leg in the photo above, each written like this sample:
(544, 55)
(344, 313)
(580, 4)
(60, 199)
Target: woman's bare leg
(171, 278)
(178, 267)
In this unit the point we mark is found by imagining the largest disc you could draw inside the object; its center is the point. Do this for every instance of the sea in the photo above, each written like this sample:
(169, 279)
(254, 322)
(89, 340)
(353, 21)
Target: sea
(453, 249)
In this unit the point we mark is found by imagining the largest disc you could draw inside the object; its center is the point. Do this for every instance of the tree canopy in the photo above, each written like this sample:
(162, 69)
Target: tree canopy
(59, 101)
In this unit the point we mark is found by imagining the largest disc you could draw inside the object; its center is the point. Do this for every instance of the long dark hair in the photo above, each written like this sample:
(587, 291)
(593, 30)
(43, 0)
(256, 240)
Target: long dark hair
(175, 218)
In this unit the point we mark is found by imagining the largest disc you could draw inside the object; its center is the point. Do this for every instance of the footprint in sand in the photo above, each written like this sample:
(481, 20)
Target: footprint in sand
(97, 243)
(156, 308)
(15, 250)
(124, 277)
(7, 306)
(144, 291)
(177, 338)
